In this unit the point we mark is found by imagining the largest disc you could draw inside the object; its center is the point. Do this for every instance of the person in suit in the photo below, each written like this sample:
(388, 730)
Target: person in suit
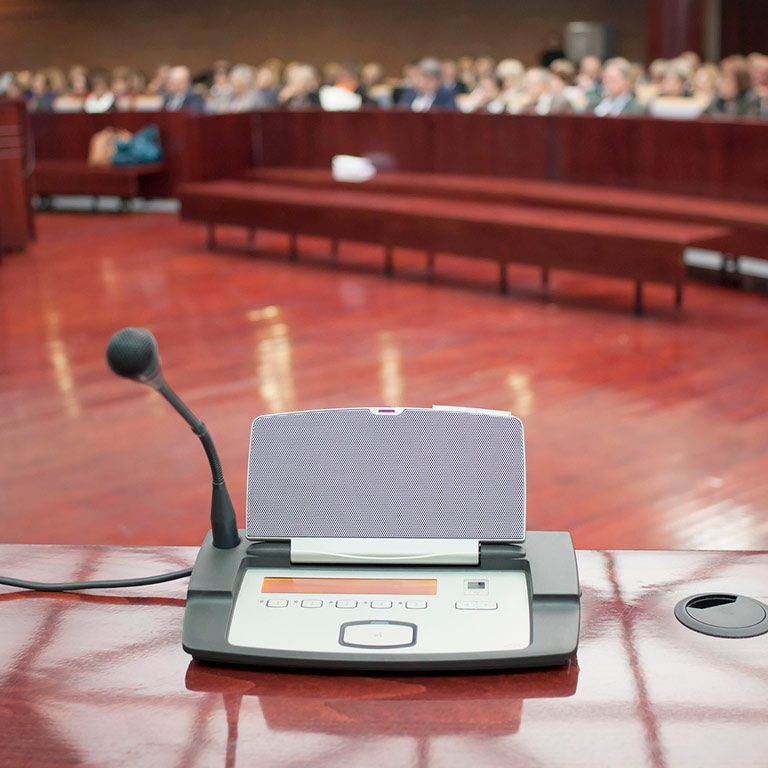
(427, 92)
(735, 96)
(619, 97)
(180, 96)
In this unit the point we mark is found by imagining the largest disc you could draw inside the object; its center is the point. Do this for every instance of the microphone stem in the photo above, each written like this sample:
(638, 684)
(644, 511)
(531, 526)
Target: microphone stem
(223, 519)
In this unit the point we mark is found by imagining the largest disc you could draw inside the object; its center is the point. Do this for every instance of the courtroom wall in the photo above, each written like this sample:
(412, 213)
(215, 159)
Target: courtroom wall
(142, 33)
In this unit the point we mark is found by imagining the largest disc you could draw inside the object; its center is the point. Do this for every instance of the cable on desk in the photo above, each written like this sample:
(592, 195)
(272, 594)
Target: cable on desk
(71, 586)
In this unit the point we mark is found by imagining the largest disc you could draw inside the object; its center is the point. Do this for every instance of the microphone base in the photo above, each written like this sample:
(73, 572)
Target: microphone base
(549, 561)
(224, 533)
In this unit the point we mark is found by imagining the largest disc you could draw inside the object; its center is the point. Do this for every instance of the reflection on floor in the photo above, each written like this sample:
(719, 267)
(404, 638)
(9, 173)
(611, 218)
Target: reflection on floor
(641, 433)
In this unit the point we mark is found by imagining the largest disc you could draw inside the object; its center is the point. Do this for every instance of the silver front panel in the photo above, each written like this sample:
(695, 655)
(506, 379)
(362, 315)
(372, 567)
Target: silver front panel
(472, 611)
(387, 473)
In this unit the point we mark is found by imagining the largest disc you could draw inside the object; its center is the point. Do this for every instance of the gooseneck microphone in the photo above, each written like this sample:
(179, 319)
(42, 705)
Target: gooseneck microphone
(133, 353)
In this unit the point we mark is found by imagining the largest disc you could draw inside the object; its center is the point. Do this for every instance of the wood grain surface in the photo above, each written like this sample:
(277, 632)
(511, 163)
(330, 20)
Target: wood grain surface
(101, 679)
(641, 433)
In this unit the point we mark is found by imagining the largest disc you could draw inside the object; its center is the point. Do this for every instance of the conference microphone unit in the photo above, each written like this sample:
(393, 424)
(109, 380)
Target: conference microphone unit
(133, 354)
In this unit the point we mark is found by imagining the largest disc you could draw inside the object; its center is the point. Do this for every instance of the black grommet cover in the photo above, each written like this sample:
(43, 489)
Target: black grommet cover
(723, 615)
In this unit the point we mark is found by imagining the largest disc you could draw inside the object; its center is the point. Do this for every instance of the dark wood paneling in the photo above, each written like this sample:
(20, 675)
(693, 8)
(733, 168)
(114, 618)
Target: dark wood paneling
(195, 147)
(37, 33)
(744, 26)
(16, 226)
(704, 157)
(675, 26)
(401, 140)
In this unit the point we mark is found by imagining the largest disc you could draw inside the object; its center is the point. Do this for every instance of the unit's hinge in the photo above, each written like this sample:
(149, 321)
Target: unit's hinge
(386, 551)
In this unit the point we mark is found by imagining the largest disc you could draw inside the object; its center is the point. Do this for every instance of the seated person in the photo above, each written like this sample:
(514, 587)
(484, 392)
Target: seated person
(348, 78)
(242, 96)
(427, 92)
(734, 95)
(589, 81)
(674, 81)
(540, 97)
(180, 96)
(301, 87)
(42, 95)
(563, 82)
(101, 98)
(759, 68)
(265, 87)
(450, 74)
(372, 81)
(482, 96)
(704, 84)
(619, 98)
(77, 82)
(509, 73)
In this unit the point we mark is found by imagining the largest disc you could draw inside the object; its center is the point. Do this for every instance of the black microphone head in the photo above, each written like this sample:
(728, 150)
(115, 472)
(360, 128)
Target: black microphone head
(133, 353)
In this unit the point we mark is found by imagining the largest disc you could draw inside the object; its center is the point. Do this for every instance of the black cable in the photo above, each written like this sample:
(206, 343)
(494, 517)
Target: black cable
(70, 586)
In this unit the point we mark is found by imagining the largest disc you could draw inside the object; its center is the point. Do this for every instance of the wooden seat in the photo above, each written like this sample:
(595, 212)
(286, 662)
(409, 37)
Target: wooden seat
(747, 221)
(72, 177)
(619, 246)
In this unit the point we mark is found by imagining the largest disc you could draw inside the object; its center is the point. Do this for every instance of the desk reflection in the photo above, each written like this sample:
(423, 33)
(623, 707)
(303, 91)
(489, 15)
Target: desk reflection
(407, 711)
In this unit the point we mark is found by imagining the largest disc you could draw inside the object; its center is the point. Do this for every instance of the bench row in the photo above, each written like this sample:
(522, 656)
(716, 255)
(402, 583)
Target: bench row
(633, 247)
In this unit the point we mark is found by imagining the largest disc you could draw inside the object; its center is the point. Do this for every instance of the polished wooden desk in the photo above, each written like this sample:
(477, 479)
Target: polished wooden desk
(101, 679)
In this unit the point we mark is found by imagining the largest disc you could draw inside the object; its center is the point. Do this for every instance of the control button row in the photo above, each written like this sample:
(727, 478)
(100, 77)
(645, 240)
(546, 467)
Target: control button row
(476, 605)
(412, 604)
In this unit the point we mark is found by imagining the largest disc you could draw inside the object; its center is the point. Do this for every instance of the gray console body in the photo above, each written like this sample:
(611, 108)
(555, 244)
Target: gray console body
(546, 557)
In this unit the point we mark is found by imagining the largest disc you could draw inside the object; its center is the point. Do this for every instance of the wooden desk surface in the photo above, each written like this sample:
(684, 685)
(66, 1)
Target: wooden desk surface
(101, 679)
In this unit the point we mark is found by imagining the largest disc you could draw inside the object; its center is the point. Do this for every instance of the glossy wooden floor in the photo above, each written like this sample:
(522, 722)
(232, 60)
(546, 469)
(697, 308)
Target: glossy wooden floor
(641, 433)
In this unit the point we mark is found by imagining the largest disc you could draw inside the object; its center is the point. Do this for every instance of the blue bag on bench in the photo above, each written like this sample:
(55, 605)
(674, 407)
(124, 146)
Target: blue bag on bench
(143, 147)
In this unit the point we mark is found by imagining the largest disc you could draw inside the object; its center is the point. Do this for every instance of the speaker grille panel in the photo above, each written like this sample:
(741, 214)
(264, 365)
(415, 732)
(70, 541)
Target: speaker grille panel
(352, 473)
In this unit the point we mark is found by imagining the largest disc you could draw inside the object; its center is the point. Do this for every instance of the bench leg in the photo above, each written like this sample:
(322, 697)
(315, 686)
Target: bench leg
(729, 265)
(431, 265)
(503, 280)
(293, 252)
(638, 297)
(545, 279)
(389, 261)
(125, 204)
(678, 295)
(334, 248)
(211, 244)
(94, 203)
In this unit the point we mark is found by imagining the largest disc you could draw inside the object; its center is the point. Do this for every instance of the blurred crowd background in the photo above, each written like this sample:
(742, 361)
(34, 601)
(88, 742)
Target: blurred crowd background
(684, 86)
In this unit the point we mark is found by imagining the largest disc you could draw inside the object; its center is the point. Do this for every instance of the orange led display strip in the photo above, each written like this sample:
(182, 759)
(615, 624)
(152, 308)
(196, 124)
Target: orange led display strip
(318, 586)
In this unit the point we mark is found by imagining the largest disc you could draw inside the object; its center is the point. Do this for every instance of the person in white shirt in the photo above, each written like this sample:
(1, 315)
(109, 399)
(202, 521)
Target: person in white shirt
(101, 98)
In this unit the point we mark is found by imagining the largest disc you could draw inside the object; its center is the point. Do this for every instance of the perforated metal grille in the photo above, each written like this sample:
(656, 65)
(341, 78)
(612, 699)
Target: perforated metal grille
(419, 474)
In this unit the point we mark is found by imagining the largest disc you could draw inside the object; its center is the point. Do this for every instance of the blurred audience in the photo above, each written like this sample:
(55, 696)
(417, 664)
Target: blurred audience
(101, 97)
(618, 90)
(427, 91)
(683, 86)
(179, 95)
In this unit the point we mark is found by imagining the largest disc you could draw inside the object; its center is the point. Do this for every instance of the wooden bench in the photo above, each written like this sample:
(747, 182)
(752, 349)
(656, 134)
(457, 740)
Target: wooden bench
(747, 221)
(73, 177)
(619, 246)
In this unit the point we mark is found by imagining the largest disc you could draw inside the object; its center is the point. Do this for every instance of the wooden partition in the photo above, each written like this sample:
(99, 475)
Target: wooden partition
(16, 227)
(195, 147)
(720, 158)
